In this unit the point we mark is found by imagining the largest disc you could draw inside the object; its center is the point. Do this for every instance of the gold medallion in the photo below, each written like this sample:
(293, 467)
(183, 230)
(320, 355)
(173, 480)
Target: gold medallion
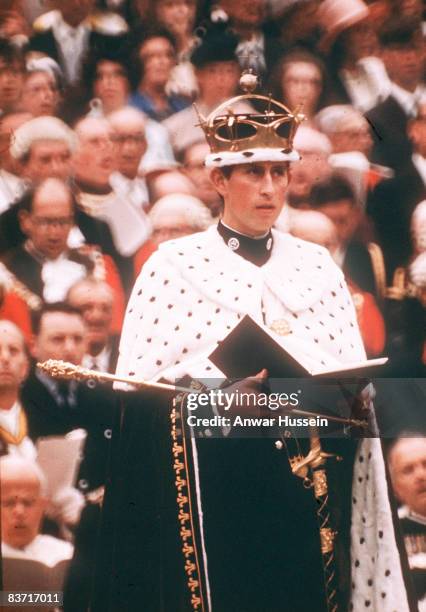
(281, 327)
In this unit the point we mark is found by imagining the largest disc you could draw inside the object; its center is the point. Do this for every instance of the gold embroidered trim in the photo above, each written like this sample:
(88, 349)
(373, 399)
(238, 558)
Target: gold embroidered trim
(402, 288)
(22, 430)
(33, 301)
(185, 513)
(379, 270)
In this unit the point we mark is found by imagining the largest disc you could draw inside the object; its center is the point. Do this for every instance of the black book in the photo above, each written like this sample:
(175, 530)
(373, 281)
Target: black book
(248, 348)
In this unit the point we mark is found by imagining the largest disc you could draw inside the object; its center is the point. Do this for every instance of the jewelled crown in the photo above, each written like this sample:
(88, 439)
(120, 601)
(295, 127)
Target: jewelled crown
(264, 134)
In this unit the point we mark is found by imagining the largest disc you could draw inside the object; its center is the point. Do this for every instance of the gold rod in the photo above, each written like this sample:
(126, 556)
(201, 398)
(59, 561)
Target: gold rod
(69, 371)
(63, 369)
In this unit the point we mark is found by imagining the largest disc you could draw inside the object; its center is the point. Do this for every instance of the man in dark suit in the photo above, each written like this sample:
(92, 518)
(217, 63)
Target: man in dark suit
(94, 299)
(67, 33)
(57, 407)
(335, 198)
(393, 201)
(401, 41)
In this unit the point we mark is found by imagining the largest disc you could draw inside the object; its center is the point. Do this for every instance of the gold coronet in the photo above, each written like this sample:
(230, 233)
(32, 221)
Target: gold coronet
(273, 126)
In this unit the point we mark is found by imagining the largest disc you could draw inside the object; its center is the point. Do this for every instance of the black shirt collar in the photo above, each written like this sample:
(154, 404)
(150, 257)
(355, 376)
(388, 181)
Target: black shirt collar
(255, 250)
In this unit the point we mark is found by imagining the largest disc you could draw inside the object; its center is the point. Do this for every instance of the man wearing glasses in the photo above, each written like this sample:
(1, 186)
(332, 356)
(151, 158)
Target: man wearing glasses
(43, 263)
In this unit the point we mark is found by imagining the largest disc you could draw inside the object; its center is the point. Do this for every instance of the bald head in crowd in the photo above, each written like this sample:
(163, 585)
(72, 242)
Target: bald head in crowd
(314, 227)
(47, 217)
(346, 127)
(23, 502)
(129, 136)
(94, 159)
(176, 215)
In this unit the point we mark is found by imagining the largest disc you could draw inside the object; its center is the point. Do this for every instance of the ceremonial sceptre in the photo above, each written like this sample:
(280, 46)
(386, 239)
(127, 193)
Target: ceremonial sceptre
(69, 371)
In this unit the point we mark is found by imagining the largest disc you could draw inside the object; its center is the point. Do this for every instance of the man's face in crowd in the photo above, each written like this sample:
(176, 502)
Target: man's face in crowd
(94, 159)
(158, 58)
(345, 216)
(253, 195)
(130, 141)
(405, 64)
(176, 15)
(95, 304)
(74, 11)
(40, 94)
(301, 84)
(218, 81)
(11, 81)
(22, 508)
(62, 336)
(50, 220)
(407, 462)
(7, 126)
(196, 171)
(111, 85)
(47, 158)
(13, 359)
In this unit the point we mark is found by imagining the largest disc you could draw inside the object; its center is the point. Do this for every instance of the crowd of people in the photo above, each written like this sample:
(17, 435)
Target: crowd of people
(101, 103)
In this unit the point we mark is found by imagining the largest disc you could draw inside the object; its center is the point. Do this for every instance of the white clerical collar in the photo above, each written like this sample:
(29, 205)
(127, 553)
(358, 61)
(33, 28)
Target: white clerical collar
(420, 164)
(406, 99)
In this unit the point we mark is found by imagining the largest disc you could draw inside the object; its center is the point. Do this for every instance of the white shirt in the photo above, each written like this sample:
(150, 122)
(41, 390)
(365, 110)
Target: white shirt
(72, 43)
(368, 85)
(130, 227)
(58, 276)
(135, 190)
(100, 362)
(159, 154)
(408, 100)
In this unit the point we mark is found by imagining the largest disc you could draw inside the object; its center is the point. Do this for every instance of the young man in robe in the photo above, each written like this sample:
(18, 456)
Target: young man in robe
(243, 534)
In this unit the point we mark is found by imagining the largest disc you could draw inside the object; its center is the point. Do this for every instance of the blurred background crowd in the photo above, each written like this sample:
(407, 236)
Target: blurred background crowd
(101, 159)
